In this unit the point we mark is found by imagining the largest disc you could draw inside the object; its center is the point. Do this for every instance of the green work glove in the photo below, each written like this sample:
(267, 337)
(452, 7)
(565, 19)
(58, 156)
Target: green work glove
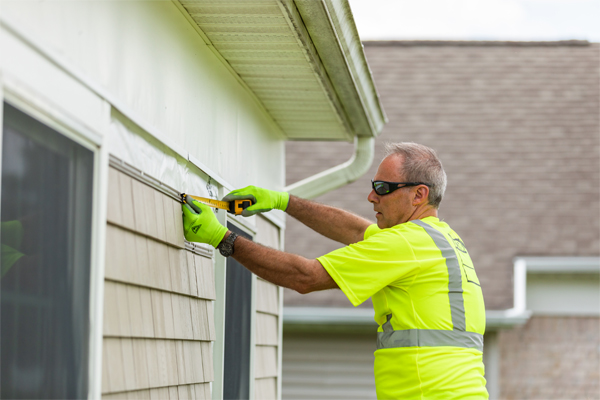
(200, 224)
(263, 200)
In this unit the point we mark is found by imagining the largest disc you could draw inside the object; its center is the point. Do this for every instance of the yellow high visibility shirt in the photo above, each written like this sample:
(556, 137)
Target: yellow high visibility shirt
(428, 304)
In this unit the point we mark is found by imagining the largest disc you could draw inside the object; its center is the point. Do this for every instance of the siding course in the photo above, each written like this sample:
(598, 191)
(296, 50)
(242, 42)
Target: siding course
(158, 303)
(267, 331)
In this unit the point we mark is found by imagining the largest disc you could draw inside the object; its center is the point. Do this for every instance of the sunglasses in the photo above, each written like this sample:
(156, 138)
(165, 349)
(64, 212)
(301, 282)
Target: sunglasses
(383, 187)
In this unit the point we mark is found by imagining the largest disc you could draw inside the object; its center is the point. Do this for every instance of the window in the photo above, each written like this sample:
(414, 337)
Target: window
(46, 217)
(238, 314)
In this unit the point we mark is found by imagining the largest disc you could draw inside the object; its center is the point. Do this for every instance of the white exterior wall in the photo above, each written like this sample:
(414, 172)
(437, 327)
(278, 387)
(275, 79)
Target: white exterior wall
(136, 81)
(148, 58)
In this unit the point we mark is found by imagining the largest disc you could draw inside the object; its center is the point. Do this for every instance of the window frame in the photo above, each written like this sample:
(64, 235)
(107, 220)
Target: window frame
(220, 264)
(59, 121)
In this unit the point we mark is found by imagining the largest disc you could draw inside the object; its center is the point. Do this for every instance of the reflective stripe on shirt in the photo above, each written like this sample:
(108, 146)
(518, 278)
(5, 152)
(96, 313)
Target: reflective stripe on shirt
(458, 337)
(390, 338)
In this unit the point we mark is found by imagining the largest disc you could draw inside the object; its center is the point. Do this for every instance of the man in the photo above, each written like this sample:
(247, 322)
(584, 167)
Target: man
(425, 292)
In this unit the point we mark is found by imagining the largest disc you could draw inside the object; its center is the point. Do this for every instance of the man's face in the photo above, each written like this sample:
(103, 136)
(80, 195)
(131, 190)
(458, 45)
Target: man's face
(396, 207)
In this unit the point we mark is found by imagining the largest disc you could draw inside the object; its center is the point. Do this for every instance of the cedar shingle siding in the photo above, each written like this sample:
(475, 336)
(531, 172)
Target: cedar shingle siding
(517, 128)
(266, 361)
(158, 299)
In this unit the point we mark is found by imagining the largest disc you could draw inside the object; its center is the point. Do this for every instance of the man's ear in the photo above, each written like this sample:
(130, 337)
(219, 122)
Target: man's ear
(421, 195)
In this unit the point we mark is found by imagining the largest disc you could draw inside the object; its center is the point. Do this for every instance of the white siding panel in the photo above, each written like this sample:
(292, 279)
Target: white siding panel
(147, 315)
(265, 362)
(161, 230)
(268, 234)
(112, 326)
(265, 389)
(159, 394)
(126, 200)
(113, 210)
(207, 361)
(114, 360)
(267, 329)
(317, 366)
(267, 297)
(154, 359)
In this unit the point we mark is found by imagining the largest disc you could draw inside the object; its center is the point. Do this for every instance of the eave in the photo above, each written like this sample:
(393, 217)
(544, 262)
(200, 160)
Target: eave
(301, 59)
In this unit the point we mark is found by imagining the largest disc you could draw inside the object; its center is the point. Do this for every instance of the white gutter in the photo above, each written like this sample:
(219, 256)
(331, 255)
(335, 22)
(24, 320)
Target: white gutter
(329, 315)
(495, 319)
(338, 176)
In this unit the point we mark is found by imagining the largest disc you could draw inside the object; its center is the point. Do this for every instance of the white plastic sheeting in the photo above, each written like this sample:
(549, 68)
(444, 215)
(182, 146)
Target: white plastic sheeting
(135, 147)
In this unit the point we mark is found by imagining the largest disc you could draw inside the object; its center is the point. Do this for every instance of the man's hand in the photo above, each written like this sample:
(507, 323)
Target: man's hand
(201, 225)
(264, 200)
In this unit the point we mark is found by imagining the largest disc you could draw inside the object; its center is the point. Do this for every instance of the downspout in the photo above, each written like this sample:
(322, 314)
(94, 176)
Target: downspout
(340, 175)
(518, 314)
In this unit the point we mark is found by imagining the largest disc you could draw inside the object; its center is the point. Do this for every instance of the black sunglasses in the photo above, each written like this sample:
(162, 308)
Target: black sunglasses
(383, 187)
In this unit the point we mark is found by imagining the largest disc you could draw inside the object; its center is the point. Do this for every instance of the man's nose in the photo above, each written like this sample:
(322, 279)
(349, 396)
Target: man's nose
(373, 197)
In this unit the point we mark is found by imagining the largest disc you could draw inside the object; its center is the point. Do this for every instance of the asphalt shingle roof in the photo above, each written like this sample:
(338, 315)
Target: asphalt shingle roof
(516, 125)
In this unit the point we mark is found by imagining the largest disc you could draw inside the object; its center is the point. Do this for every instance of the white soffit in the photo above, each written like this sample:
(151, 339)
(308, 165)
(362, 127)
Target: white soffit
(267, 44)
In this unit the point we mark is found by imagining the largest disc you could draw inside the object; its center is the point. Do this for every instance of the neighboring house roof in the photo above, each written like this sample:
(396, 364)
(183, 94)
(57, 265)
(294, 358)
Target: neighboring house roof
(302, 59)
(516, 125)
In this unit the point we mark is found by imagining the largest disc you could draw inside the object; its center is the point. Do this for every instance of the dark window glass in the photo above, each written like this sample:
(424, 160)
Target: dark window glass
(46, 216)
(238, 302)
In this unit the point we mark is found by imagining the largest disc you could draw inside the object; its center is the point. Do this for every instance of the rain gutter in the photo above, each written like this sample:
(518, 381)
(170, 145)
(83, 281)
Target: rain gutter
(313, 319)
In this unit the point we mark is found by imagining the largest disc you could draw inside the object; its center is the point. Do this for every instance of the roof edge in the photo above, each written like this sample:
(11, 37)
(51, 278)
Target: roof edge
(562, 265)
(476, 43)
(333, 32)
(316, 318)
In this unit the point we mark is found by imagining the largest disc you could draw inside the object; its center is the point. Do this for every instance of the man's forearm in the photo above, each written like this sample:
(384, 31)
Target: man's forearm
(334, 223)
(283, 269)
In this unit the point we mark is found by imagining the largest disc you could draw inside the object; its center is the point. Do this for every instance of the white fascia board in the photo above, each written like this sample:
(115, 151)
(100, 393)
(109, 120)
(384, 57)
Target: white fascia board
(328, 316)
(562, 265)
(333, 32)
(495, 319)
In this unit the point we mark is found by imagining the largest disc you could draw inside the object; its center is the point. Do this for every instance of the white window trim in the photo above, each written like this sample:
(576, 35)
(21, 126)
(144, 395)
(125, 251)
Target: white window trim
(68, 126)
(220, 271)
(280, 326)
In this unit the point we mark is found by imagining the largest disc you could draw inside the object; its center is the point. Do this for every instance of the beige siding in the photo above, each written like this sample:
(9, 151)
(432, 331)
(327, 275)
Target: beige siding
(200, 391)
(265, 389)
(267, 322)
(328, 366)
(158, 303)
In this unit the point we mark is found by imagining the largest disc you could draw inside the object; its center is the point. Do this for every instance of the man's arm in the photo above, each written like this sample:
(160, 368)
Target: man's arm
(334, 223)
(289, 270)
(283, 269)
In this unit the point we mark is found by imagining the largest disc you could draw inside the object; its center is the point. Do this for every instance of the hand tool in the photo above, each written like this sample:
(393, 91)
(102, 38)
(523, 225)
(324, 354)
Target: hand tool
(233, 207)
